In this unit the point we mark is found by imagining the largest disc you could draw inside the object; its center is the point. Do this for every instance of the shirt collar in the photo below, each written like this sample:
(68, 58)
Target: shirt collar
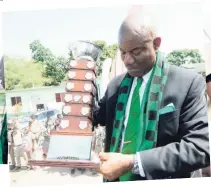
(146, 76)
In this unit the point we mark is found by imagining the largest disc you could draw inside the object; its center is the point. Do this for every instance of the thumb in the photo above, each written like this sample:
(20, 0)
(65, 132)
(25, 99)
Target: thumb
(103, 156)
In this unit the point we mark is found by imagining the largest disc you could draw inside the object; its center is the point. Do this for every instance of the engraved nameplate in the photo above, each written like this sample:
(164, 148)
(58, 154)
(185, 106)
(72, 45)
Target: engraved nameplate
(80, 147)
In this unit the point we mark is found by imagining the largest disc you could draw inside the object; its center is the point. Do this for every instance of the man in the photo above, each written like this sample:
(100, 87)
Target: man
(16, 149)
(155, 114)
(208, 81)
(58, 121)
(28, 144)
(10, 145)
(207, 171)
(35, 130)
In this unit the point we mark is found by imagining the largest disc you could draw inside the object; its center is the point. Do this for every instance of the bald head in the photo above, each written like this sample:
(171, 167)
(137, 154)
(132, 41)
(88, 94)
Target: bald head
(137, 24)
(138, 44)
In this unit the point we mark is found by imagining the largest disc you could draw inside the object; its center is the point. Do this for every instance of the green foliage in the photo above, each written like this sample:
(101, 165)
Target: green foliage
(55, 71)
(45, 69)
(21, 73)
(179, 57)
(39, 52)
(55, 68)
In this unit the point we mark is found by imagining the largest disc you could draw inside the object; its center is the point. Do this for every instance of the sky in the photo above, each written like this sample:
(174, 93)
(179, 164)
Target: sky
(180, 26)
(206, 19)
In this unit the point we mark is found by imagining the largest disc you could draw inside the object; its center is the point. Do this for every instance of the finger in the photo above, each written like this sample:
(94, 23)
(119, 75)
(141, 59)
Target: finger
(98, 170)
(109, 177)
(103, 156)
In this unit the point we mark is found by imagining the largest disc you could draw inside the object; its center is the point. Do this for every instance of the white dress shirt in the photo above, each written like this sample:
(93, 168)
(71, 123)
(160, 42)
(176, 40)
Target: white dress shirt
(141, 93)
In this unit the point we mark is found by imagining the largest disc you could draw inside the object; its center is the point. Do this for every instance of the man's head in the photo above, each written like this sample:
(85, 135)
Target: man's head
(59, 116)
(10, 124)
(33, 117)
(138, 44)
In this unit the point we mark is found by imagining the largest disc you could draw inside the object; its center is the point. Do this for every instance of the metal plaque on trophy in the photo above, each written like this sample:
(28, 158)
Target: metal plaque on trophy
(71, 145)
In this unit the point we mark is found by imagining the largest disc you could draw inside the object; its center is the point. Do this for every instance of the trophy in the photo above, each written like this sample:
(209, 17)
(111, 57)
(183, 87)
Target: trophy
(71, 145)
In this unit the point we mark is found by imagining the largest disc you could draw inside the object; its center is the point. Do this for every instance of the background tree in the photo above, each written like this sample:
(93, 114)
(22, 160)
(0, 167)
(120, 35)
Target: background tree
(55, 71)
(20, 73)
(54, 68)
(179, 57)
(45, 69)
(40, 53)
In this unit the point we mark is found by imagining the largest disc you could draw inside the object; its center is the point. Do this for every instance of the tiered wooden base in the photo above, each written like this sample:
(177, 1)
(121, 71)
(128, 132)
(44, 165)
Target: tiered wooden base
(75, 137)
(64, 163)
(81, 145)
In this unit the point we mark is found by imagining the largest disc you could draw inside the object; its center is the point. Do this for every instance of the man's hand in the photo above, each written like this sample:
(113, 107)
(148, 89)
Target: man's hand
(114, 165)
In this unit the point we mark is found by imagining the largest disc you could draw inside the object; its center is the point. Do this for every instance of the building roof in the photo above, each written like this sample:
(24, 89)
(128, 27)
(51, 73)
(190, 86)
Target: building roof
(62, 86)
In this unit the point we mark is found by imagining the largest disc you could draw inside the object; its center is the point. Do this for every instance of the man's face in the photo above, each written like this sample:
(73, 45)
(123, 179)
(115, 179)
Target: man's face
(10, 126)
(137, 52)
(14, 121)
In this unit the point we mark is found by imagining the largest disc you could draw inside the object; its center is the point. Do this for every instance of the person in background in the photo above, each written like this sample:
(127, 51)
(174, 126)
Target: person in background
(35, 129)
(28, 145)
(16, 150)
(58, 121)
(207, 171)
(10, 145)
(208, 81)
(46, 140)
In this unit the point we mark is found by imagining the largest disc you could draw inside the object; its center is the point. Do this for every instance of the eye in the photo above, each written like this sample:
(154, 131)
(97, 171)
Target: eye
(137, 51)
(122, 52)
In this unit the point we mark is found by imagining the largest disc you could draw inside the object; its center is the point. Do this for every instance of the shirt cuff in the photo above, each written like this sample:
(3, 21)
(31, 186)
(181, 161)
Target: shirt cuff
(141, 170)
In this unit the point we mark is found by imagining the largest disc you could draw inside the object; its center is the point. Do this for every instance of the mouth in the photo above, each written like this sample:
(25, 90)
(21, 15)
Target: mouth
(134, 73)
(134, 70)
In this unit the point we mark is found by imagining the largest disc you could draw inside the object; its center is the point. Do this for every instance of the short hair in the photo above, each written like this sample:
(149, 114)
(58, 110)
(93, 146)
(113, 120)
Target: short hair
(141, 17)
(33, 116)
(208, 78)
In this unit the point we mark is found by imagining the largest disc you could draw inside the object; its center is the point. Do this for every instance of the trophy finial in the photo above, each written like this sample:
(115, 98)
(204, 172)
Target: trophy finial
(86, 50)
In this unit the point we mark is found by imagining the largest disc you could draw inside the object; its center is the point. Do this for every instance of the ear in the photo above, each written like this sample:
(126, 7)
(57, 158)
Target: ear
(157, 42)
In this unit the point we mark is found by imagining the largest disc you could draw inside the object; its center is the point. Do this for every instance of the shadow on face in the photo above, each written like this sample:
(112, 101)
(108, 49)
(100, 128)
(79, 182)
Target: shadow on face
(138, 49)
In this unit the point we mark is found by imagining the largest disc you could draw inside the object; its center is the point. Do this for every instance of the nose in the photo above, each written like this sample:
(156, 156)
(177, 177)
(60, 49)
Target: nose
(128, 59)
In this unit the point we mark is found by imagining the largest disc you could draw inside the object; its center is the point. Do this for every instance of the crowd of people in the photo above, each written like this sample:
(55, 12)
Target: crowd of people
(23, 142)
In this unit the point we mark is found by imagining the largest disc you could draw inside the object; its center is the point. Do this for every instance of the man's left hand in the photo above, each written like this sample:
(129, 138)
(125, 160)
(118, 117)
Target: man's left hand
(114, 165)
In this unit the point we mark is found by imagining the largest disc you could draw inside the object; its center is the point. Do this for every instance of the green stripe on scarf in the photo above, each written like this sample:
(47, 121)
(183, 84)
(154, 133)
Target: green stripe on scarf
(150, 104)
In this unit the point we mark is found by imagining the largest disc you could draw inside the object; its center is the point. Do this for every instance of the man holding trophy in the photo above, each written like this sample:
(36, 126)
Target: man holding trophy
(155, 114)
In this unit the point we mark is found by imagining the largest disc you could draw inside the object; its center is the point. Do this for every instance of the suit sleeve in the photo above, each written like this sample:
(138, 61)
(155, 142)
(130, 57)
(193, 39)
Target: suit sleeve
(192, 151)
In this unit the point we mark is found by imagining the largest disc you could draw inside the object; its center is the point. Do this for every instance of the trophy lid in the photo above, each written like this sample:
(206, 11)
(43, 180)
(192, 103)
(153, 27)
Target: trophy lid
(86, 50)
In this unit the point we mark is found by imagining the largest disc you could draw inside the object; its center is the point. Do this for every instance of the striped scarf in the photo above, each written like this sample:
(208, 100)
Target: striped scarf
(146, 131)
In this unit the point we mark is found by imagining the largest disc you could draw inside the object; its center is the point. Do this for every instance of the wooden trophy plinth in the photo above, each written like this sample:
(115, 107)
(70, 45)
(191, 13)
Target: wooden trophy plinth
(71, 145)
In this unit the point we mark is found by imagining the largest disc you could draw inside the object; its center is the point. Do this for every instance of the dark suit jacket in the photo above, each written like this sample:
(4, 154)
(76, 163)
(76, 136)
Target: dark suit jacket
(183, 140)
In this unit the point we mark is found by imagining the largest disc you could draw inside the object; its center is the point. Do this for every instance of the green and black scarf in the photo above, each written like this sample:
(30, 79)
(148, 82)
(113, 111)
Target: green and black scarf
(146, 122)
